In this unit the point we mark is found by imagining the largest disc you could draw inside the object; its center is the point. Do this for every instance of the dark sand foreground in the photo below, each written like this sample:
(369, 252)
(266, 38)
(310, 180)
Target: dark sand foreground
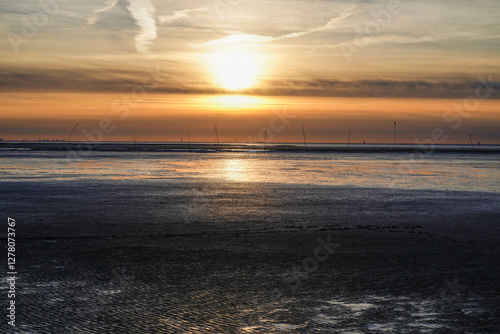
(176, 257)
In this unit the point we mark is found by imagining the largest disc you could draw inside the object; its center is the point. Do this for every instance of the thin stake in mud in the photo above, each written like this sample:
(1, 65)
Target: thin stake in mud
(71, 134)
(265, 137)
(135, 140)
(395, 128)
(189, 142)
(304, 134)
(217, 137)
(348, 138)
(470, 139)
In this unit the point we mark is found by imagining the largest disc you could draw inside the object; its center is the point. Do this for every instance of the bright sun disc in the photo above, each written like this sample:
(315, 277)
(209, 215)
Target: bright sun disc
(235, 71)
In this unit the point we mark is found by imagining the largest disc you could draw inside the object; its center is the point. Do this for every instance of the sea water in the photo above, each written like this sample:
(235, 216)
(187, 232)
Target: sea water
(456, 168)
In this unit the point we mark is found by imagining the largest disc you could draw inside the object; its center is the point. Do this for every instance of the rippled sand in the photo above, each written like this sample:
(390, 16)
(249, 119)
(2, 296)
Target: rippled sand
(193, 257)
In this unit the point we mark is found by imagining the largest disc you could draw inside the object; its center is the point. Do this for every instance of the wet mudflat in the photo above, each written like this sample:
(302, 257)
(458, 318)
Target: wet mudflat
(193, 257)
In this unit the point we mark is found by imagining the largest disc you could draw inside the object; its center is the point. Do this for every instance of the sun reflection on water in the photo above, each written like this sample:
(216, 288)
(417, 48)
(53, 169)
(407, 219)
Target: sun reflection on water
(236, 170)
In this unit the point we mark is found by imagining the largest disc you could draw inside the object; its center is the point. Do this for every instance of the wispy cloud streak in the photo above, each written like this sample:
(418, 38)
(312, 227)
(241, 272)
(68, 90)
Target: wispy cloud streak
(142, 11)
(332, 24)
(109, 5)
(386, 39)
(179, 14)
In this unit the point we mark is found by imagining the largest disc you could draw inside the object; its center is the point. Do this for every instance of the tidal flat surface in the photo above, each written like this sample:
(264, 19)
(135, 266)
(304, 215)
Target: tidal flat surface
(241, 242)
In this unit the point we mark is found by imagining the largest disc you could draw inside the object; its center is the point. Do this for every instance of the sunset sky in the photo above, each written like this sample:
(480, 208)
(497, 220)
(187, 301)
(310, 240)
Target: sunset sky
(159, 69)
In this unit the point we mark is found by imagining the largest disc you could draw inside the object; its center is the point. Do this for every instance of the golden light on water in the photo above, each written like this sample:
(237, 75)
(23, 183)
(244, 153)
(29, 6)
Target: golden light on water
(235, 170)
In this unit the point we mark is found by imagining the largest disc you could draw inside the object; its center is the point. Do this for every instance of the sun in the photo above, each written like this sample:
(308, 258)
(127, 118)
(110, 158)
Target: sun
(235, 71)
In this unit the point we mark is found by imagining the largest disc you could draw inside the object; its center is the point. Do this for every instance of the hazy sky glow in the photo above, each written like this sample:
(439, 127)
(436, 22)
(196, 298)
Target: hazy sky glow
(69, 61)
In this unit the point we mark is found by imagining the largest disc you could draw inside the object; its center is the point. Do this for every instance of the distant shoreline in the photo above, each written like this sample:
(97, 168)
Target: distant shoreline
(249, 147)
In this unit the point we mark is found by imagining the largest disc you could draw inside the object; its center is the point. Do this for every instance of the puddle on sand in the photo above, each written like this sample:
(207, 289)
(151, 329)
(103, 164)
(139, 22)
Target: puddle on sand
(379, 314)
